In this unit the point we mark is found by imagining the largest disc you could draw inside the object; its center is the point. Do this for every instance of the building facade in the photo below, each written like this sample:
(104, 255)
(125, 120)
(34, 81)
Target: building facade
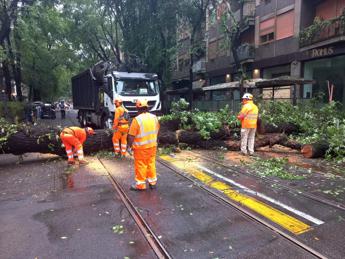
(297, 38)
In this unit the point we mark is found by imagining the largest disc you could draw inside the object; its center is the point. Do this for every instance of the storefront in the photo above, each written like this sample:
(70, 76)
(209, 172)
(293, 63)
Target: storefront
(278, 93)
(326, 72)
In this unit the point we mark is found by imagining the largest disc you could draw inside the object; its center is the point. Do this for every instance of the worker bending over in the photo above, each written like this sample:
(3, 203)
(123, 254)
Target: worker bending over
(248, 117)
(73, 139)
(120, 127)
(142, 137)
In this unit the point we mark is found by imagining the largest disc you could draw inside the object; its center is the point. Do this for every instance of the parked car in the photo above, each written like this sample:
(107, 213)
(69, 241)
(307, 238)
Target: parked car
(48, 111)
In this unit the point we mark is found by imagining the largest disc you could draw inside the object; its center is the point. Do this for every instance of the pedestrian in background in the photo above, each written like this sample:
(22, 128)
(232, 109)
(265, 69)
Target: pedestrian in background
(120, 127)
(142, 138)
(248, 117)
(62, 110)
(73, 139)
(38, 112)
(28, 110)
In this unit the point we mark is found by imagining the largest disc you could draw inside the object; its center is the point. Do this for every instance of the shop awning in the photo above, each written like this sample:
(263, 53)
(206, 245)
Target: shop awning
(221, 86)
(183, 90)
(282, 81)
(231, 85)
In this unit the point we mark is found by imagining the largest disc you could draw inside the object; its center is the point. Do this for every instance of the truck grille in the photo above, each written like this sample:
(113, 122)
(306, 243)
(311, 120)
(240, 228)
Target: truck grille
(130, 106)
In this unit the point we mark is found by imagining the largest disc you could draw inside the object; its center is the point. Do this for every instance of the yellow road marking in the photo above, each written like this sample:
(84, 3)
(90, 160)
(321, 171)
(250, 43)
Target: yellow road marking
(284, 220)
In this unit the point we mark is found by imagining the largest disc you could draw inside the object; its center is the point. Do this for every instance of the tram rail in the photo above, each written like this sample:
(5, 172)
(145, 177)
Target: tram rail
(245, 212)
(283, 186)
(154, 242)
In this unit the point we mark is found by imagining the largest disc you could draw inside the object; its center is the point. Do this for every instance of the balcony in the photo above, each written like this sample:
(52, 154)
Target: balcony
(321, 31)
(248, 15)
(199, 66)
(246, 53)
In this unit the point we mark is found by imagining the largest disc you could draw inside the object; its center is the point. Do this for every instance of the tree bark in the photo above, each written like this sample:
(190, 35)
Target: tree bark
(315, 150)
(287, 128)
(47, 140)
(7, 75)
(195, 139)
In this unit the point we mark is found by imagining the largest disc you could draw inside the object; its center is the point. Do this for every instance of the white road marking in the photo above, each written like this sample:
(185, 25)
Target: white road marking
(263, 196)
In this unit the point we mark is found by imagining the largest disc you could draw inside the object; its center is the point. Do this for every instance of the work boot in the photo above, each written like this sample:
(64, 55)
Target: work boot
(83, 162)
(70, 163)
(153, 186)
(134, 188)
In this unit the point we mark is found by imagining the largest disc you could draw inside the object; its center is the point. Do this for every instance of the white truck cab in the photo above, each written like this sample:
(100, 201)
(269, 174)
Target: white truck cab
(94, 95)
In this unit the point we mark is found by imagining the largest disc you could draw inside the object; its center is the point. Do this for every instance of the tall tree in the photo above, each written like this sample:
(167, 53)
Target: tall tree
(232, 28)
(148, 30)
(193, 14)
(9, 12)
(47, 56)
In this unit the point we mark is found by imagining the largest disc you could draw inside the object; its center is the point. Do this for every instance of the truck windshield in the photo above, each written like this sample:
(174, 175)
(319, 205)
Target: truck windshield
(136, 88)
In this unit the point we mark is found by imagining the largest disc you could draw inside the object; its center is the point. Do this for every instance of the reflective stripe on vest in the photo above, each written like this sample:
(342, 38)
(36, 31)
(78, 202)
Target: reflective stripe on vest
(146, 139)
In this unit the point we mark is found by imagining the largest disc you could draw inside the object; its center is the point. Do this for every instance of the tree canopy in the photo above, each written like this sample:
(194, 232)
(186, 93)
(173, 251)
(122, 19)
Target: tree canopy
(44, 43)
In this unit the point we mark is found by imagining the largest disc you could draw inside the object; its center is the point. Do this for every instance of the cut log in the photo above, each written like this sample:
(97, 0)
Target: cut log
(292, 144)
(287, 128)
(189, 137)
(171, 125)
(315, 150)
(47, 140)
(225, 132)
(194, 139)
(167, 137)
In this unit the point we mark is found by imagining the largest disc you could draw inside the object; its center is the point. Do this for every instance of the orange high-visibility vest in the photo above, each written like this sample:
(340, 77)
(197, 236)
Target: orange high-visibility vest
(145, 129)
(249, 113)
(79, 133)
(120, 118)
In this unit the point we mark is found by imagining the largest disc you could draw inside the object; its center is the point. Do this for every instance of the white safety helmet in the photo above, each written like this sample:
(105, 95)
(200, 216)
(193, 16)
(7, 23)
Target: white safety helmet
(247, 96)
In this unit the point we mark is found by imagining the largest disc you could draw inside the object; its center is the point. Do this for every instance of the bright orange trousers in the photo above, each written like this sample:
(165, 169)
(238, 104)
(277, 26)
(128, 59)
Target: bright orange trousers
(71, 142)
(145, 167)
(120, 136)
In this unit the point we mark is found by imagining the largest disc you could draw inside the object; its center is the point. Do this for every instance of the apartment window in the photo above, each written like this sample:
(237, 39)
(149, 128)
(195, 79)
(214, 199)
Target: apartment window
(330, 9)
(267, 37)
(285, 25)
(267, 30)
(277, 28)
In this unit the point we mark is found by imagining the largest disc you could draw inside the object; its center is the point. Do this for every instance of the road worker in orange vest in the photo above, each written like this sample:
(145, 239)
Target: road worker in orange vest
(248, 117)
(142, 138)
(73, 139)
(120, 127)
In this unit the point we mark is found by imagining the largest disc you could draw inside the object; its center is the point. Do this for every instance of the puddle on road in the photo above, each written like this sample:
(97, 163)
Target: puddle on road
(67, 181)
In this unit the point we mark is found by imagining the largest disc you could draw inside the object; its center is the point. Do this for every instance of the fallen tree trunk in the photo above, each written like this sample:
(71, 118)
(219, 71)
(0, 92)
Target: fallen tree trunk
(315, 150)
(47, 140)
(287, 128)
(195, 139)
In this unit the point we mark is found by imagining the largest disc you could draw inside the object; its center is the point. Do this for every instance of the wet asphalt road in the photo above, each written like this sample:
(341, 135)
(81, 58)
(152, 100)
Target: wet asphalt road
(47, 213)
(50, 211)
